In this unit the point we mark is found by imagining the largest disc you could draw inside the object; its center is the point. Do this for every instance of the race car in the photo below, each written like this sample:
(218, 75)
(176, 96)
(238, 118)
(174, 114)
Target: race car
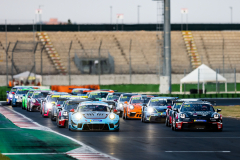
(34, 102)
(155, 110)
(26, 98)
(11, 93)
(170, 112)
(113, 96)
(98, 95)
(197, 115)
(133, 108)
(49, 101)
(17, 98)
(60, 102)
(125, 97)
(93, 116)
(80, 91)
(63, 111)
(177, 104)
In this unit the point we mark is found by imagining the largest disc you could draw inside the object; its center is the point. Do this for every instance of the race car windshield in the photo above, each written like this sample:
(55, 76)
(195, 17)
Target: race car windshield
(77, 92)
(30, 94)
(156, 102)
(60, 101)
(87, 108)
(71, 106)
(40, 95)
(112, 97)
(13, 90)
(177, 105)
(98, 95)
(53, 99)
(22, 92)
(137, 100)
(196, 107)
(125, 98)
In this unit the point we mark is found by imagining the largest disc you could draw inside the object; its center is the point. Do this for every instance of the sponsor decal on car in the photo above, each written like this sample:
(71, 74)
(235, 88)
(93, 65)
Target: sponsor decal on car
(95, 120)
(200, 120)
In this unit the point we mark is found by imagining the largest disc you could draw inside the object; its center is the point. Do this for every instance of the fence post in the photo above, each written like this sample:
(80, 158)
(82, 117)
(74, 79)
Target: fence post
(216, 81)
(198, 79)
(130, 63)
(184, 83)
(235, 81)
(69, 66)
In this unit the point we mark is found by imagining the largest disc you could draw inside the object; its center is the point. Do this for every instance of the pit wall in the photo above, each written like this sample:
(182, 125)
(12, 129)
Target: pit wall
(105, 79)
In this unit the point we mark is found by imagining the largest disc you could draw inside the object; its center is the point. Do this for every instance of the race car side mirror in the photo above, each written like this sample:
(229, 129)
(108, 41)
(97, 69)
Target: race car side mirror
(169, 107)
(115, 111)
(7, 91)
(219, 110)
(13, 93)
(115, 100)
(72, 110)
(126, 102)
(60, 108)
(23, 95)
(28, 96)
(58, 105)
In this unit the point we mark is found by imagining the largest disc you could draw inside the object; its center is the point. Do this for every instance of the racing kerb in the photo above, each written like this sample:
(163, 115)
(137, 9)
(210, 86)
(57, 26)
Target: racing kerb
(24, 122)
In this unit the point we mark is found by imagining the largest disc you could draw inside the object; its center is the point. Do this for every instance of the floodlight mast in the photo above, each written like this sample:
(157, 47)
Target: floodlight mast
(167, 44)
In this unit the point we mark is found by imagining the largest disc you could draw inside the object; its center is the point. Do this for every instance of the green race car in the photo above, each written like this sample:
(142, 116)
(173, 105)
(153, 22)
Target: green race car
(25, 98)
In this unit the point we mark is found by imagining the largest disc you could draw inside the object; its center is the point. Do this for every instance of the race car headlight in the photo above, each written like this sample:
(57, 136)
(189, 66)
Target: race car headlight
(182, 115)
(120, 105)
(33, 100)
(131, 107)
(150, 110)
(216, 116)
(111, 116)
(48, 105)
(16, 96)
(65, 113)
(10, 96)
(78, 116)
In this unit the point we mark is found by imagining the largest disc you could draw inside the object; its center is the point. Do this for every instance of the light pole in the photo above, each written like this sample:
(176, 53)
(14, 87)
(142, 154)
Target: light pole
(110, 14)
(40, 20)
(231, 14)
(138, 12)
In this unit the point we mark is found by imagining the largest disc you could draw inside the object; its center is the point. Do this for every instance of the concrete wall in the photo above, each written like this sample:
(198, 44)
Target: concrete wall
(105, 79)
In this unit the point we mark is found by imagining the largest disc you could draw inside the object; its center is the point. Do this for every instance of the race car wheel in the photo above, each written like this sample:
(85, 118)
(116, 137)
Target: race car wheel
(172, 126)
(120, 114)
(167, 122)
(126, 117)
(123, 116)
(142, 118)
(52, 118)
(68, 126)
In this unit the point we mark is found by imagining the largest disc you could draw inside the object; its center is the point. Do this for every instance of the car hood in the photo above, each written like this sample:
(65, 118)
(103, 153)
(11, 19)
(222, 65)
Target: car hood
(95, 115)
(160, 108)
(199, 114)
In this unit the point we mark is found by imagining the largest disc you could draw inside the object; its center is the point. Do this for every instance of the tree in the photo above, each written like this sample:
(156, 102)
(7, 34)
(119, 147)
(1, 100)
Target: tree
(69, 22)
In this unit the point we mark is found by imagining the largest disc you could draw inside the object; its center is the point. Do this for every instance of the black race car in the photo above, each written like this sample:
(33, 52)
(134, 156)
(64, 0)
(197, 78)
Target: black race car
(198, 115)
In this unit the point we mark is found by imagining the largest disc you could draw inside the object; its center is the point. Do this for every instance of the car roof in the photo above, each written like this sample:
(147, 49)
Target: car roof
(94, 102)
(129, 94)
(164, 97)
(81, 89)
(197, 102)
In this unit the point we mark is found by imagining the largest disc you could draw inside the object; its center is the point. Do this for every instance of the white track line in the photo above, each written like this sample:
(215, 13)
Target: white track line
(198, 151)
(83, 149)
(8, 154)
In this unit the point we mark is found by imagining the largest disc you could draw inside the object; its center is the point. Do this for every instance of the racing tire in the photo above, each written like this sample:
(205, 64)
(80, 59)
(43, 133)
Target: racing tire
(126, 117)
(52, 118)
(167, 122)
(69, 127)
(172, 127)
(120, 115)
(142, 118)
(123, 116)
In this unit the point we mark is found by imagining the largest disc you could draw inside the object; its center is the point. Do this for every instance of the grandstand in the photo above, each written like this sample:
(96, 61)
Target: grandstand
(144, 55)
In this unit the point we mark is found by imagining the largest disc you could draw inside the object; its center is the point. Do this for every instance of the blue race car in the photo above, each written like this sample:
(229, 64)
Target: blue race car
(93, 116)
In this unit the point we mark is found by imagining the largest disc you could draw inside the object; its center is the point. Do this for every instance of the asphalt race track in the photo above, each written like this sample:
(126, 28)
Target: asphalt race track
(137, 140)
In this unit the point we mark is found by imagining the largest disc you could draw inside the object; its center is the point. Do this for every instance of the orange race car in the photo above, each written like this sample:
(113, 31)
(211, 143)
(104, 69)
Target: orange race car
(133, 108)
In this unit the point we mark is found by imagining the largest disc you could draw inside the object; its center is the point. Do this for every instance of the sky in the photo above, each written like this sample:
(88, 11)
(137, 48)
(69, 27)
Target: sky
(98, 11)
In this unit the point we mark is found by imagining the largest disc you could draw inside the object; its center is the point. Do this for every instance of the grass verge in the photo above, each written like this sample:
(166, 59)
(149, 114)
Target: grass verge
(230, 111)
